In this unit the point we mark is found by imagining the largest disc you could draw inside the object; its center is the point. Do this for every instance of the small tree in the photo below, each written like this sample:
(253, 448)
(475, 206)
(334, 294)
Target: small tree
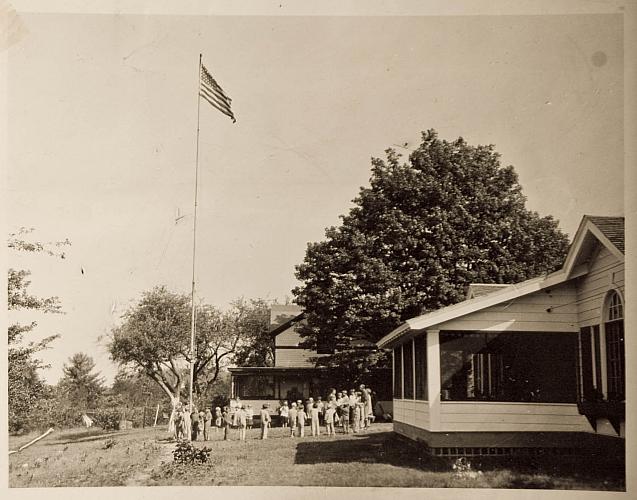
(80, 383)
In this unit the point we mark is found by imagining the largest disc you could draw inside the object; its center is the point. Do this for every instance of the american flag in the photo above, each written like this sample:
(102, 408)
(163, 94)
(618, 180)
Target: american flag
(210, 90)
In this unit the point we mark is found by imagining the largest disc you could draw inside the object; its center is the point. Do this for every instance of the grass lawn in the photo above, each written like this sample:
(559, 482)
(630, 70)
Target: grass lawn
(81, 457)
(374, 458)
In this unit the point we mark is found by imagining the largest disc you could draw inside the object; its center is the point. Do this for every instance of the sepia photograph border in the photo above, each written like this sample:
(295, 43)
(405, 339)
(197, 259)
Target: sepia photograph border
(350, 8)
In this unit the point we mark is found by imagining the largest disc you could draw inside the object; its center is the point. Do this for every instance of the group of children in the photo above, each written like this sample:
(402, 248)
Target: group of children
(351, 411)
(192, 425)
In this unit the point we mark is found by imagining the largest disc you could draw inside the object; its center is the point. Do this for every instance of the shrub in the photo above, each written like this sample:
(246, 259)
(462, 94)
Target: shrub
(107, 418)
(186, 453)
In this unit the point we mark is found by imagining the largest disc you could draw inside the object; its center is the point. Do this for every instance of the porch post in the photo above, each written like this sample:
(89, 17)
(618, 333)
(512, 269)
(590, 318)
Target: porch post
(433, 378)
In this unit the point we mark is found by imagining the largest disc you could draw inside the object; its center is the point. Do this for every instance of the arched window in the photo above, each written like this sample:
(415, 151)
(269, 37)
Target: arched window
(615, 357)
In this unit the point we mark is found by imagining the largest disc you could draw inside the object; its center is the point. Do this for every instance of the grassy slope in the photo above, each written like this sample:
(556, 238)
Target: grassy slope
(81, 458)
(374, 458)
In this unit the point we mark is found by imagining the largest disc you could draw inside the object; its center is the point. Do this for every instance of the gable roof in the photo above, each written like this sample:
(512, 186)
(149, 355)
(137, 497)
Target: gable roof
(283, 316)
(612, 228)
(592, 229)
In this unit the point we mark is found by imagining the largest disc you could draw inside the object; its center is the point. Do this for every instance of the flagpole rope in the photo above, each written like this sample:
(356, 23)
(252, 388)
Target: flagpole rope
(194, 246)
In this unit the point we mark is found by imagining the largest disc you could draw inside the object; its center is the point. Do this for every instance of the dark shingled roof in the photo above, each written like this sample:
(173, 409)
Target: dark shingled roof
(612, 228)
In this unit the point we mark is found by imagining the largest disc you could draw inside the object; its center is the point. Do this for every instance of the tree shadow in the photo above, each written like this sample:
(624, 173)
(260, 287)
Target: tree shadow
(389, 448)
(377, 447)
(82, 437)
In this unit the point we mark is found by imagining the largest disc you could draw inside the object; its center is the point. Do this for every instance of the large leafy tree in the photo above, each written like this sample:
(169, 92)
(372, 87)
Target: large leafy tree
(417, 236)
(154, 339)
(26, 390)
(80, 382)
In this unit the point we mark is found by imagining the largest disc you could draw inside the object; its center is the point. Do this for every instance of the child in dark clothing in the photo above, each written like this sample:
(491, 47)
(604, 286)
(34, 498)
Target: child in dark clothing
(227, 421)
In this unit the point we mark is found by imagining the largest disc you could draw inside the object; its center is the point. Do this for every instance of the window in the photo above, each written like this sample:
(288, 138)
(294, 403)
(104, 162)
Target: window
(508, 366)
(420, 356)
(615, 354)
(255, 387)
(484, 375)
(398, 372)
(408, 370)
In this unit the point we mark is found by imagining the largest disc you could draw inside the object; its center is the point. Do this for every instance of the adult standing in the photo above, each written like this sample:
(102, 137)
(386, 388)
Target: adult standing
(218, 419)
(363, 393)
(265, 421)
(187, 423)
(194, 422)
(207, 424)
(369, 408)
(242, 420)
(227, 422)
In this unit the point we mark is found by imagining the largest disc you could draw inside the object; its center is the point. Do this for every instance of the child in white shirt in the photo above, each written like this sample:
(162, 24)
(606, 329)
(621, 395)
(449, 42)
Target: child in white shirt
(284, 413)
(314, 416)
(242, 421)
(330, 412)
(293, 415)
(300, 418)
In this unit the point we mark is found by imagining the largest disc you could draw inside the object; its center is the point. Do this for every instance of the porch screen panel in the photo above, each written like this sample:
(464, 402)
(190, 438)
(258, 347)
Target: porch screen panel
(255, 387)
(398, 372)
(586, 368)
(508, 366)
(420, 355)
(598, 358)
(408, 370)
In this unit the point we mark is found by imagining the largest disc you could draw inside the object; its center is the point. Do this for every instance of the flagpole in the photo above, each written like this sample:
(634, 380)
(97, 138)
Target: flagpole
(194, 246)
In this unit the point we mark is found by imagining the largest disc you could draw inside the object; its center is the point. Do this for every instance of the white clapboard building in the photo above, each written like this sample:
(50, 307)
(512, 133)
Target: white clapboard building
(523, 367)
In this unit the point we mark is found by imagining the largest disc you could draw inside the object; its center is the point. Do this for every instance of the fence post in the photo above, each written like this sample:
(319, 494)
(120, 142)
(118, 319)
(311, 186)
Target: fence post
(156, 415)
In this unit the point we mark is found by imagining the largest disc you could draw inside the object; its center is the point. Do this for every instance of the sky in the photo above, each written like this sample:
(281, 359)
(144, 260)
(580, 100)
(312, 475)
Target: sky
(103, 116)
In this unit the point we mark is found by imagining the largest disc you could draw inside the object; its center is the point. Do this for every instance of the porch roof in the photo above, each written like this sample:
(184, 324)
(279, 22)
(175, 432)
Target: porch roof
(240, 370)
(472, 305)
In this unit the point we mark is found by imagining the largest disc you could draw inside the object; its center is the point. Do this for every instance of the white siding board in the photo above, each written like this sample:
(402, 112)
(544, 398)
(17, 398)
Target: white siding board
(289, 337)
(470, 407)
(511, 427)
(527, 313)
(606, 272)
(412, 412)
(471, 416)
(294, 357)
(506, 418)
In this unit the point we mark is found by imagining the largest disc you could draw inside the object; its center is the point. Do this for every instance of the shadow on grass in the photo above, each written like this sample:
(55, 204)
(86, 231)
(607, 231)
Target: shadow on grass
(535, 471)
(82, 437)
(522, 471)
(379, 447)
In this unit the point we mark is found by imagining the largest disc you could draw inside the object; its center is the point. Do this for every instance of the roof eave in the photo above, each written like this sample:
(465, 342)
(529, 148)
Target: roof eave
(473, 305)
